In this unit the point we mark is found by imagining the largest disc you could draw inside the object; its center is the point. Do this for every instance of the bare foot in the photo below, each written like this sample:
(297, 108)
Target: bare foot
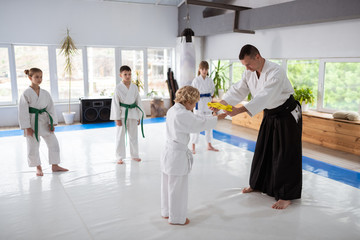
(120, 161)
(137, 159)
(39, 171)
(57, 168)
(186, 222)
(247, 190)
(165, 217)
(193, 149)
(211, 148)
(281, 204)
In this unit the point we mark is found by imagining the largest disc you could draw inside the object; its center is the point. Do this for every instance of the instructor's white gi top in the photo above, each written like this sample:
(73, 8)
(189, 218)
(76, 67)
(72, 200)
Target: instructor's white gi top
(29, 98)
(204, 86)
(269, 91)
(180, 122)
(127, 96)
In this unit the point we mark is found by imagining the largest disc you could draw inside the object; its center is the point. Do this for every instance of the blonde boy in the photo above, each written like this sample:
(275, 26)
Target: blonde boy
(176, 160)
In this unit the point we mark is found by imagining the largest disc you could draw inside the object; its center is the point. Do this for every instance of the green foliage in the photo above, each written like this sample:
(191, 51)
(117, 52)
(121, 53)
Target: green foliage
(219, 77)
(68, 50)
(304, 95)
(152, 93)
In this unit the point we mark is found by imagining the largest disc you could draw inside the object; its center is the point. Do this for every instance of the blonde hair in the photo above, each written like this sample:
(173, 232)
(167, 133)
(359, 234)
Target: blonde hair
(203, 64)
(187, 94)
(32, 71)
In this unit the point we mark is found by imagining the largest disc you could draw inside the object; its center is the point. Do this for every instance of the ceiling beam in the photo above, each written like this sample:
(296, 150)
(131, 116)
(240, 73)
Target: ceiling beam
(217, 5)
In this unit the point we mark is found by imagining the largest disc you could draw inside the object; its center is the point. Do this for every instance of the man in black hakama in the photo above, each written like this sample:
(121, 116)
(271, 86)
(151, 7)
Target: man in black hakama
(277, 163)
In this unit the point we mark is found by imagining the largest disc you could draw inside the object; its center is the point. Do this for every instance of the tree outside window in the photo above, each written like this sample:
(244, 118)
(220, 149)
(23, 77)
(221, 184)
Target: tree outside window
(159, 60)
(342, 86)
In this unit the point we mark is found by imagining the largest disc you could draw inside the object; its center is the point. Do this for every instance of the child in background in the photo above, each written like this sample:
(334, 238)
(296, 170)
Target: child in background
(37, 117)
(206, 87)
(126, 110)
(176, 160)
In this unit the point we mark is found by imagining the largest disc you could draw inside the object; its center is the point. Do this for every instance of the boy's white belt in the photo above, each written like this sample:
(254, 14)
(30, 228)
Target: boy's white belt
(173, 145)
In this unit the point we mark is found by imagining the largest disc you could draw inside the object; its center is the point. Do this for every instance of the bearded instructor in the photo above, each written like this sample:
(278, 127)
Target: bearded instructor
(277, 163)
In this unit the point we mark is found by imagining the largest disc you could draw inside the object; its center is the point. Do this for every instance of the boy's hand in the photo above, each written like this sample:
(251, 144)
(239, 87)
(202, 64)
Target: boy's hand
(221, 116)
(139, 122)
(51, 129)
(118, 123)
(29, 132)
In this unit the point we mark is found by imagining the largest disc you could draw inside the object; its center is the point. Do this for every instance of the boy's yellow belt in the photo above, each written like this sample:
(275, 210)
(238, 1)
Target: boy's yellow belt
(134, 105)
(220, 106)
(37, 112)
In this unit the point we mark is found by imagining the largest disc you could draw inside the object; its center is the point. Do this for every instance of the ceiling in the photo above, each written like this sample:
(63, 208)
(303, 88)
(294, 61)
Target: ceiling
(243, 3)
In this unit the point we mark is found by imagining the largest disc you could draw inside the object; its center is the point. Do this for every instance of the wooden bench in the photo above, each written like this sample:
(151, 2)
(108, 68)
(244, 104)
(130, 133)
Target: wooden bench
(318, 128)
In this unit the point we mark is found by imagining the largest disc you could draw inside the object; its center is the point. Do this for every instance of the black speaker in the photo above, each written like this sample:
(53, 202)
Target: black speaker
(95, 110)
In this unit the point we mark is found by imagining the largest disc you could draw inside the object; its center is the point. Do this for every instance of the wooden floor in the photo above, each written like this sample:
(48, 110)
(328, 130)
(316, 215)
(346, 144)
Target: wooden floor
(338, 158)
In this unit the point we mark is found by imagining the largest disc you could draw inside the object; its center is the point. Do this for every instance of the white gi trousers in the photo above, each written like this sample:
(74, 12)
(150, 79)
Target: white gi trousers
(33, 145)
(194, 137)
(132, 129)
(174, 197)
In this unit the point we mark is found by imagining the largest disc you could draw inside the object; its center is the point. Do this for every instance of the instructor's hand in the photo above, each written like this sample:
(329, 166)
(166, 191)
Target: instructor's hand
(118, 123)
(221, 116)
(236, 111)
(29, 132)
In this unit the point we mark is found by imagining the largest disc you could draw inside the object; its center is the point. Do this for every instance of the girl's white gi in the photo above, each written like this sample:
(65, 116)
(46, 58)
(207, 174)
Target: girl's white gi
(27, 120)
(176, 160)
(127, 96)
(204, 86)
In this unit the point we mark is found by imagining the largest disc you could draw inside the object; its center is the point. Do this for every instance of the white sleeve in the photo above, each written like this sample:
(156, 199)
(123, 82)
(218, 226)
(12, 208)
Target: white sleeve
(115, 112)
(191, 123)
(24, 115)
(139, 103)
(50, 108)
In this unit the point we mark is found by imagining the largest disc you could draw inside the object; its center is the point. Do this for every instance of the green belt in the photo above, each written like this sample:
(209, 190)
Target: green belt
(37, 111)
(127, 106)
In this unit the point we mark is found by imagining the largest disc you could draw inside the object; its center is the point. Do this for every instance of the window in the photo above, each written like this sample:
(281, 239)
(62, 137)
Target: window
(304, 73)
(77, 78)
(159, 60)
(5, 81)
(237, 71)
(135, 60)
(27, 57)
(342, 86)
(102, 73)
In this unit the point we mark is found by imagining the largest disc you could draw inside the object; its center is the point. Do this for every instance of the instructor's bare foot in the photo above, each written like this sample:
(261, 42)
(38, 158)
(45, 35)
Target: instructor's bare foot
(137, 159)
(247, 190)
(186, 222)
(281, 204)
(120, 161)
(211, 148)
(39, 171)
(57, 168)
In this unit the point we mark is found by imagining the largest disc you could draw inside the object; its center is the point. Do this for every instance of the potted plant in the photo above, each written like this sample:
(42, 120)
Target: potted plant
(219, 77)
(68, 50)
(305, 97)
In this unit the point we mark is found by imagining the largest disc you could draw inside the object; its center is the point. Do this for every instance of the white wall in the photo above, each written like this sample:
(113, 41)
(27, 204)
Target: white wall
(90, 22)
(325, 40)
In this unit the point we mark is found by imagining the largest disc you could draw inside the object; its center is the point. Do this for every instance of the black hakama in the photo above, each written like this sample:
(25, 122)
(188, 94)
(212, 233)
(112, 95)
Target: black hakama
(277, 163)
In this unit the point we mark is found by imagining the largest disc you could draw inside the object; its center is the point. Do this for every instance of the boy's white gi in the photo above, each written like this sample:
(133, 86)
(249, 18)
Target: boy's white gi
(27, 120)
(206, 87)
(126, 96)
(176, 160)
